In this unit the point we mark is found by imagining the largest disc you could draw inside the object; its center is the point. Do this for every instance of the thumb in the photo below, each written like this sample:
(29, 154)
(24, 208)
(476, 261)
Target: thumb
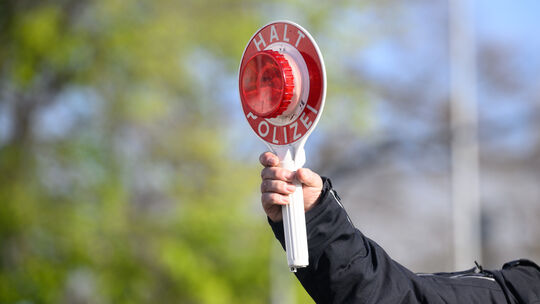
(309, 178)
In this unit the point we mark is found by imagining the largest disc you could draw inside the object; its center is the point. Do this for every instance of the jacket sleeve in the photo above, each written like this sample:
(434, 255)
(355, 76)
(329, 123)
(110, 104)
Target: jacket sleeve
(347, 267)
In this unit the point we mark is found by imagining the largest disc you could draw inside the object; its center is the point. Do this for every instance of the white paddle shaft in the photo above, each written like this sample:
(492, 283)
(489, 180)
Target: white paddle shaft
(294, 220)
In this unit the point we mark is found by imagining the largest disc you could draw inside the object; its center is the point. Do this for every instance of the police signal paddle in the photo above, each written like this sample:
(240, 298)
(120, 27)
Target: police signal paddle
(282, 83)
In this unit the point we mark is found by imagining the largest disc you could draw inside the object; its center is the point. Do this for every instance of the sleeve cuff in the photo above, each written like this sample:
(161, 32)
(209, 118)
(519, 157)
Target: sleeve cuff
(320, 205)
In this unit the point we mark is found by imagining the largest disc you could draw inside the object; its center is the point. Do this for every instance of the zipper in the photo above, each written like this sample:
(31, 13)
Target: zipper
(483, 276)
(339, 203)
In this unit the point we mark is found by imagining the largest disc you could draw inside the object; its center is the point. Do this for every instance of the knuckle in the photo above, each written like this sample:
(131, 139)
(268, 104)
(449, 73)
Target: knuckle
(264, 186)
(266, 159)
(265, 199)
(270, 173)
(265, 172)
(269, 198)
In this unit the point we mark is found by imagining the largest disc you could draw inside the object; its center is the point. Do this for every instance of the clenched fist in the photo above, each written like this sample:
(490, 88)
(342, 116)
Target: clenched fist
(277, 184)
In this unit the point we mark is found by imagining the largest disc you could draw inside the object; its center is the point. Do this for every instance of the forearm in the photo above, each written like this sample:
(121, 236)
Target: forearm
(343, 264)
(347, 267)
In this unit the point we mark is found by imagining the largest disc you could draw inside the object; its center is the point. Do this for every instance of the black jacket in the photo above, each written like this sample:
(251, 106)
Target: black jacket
(347, 267)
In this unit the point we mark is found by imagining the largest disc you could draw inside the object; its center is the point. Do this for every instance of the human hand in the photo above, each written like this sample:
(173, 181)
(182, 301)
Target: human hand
(277, 184)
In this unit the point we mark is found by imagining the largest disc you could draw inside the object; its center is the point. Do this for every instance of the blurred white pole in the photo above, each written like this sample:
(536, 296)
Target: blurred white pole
(465, 167)
(281, 282)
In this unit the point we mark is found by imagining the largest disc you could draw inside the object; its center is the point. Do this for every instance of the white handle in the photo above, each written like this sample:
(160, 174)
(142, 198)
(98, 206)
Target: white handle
(294, 221)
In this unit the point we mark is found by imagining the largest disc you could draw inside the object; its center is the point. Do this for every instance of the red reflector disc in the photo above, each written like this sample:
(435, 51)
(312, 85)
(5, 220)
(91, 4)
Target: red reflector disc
(266, 84)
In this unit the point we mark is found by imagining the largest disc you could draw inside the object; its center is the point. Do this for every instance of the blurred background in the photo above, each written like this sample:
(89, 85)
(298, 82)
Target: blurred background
(128, 173)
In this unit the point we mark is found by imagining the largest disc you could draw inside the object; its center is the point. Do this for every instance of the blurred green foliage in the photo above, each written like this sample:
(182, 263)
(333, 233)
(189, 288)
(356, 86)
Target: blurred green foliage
(138, 200)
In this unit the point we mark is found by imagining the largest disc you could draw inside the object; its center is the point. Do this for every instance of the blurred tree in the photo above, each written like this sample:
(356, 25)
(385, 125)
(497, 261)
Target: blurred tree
(115, 184)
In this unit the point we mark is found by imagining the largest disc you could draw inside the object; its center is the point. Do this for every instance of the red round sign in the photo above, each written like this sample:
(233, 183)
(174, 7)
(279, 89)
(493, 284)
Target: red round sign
(282, 122)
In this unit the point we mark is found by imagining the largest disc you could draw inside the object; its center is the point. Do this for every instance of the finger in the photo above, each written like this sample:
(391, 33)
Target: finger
(308, 177)
(269, 159)
(269, 199)
(276, 186)
(277, 173)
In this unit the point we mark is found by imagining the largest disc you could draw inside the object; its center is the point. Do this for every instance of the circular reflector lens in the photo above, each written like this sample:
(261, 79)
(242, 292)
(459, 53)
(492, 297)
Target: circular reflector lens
(262, 84)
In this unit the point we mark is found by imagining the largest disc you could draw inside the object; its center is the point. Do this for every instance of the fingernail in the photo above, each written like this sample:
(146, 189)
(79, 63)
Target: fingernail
(291, 188)
(285, 199)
